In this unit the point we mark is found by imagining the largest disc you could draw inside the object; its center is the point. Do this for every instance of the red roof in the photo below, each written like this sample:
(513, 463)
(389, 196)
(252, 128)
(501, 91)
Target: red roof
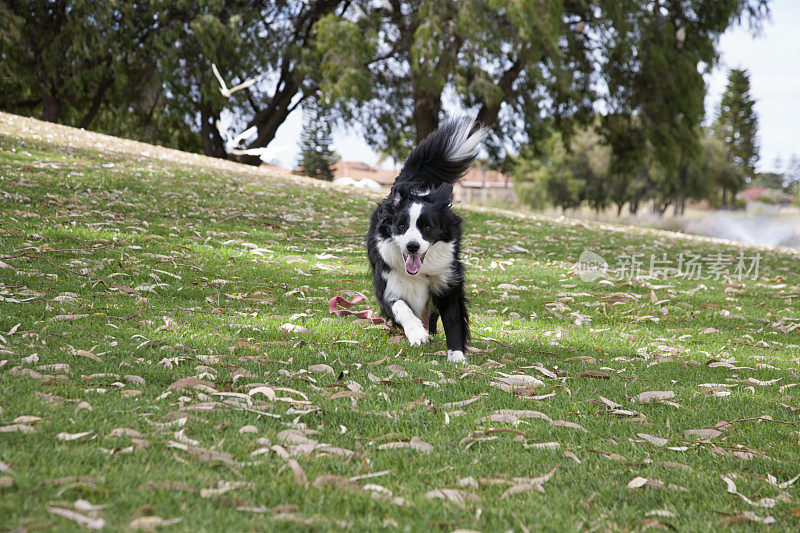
(753, 192)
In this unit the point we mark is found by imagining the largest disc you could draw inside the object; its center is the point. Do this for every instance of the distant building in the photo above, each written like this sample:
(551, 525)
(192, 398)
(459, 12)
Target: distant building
(765, 200)
(478, 186)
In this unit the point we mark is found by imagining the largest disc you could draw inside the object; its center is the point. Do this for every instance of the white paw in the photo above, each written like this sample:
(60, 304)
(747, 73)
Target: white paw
(417, 336)
(456, 356)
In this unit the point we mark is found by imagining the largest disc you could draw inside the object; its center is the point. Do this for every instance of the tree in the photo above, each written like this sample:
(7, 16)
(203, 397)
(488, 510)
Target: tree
(770, 180)
(792, 175)
(316, 154)
(146, 66)
(566, 172)
(63, 59)
(523, 66)
(508, 62)
(737, 122)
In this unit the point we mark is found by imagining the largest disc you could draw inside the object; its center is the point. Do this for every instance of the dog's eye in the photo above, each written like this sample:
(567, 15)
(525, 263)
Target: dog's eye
(402, 226)
(426, 227)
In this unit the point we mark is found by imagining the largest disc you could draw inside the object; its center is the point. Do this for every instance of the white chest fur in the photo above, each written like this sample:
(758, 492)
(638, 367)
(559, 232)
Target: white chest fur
(434, 276)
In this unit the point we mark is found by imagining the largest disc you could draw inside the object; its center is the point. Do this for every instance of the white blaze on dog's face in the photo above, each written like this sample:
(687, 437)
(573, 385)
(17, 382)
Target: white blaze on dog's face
(408, 235)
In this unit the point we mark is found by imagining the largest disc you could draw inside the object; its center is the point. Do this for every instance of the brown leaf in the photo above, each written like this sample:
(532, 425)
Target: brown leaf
(415, 444)
(299, 474)
(743, 517)
(655, 441)
(73, 436)
(568, 424)
(150, 523)
(190, 383)
(86, 521)
(458, 497)
(72, 479)
(520, 488)
(293, 328)
(321, 369)
(87, 354)
(708, 433)
(349, 394)
(293, 436)
(338, 482)
(655, 396)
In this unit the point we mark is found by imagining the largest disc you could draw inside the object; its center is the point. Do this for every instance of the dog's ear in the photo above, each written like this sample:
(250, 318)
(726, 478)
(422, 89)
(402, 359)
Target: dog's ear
(398, 194)
(442, 194)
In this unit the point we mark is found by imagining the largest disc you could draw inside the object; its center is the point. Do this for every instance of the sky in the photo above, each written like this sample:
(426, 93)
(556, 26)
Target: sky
(772, 57)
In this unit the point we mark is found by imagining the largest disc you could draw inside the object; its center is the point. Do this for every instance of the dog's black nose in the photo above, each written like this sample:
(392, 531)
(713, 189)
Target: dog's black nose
(412, 247)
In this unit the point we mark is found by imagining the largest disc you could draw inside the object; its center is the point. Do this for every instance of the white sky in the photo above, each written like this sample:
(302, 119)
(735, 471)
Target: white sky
(772, 58)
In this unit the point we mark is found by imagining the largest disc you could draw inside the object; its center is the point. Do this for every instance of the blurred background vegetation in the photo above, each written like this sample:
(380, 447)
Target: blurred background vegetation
(596, 103)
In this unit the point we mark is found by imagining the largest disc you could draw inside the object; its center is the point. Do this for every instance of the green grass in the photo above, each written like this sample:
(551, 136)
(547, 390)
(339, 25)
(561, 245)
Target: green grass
(149, 268)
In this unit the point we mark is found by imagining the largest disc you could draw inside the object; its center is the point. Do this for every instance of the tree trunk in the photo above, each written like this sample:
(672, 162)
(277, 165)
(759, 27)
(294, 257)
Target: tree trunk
(634, 206)
(212, 142)
(489, 111)
(97, 100)
(270, 119)
(426, 113)
(51, 107)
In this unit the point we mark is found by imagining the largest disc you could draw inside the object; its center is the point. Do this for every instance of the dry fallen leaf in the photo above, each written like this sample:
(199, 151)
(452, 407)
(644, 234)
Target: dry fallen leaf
(655, 441)
(150, 523)
(86, 521)
(415, 444)
(743, 517)
(73, 436)
(708, 433)
(321, 369)
(221, 487)
(655, 396)
(527, 484)
(458, 497)
(293, 328)
(299, 474)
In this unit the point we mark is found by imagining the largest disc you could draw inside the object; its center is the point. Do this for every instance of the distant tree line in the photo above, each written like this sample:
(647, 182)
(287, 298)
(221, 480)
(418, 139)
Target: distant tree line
(530, 70)
(584, 168)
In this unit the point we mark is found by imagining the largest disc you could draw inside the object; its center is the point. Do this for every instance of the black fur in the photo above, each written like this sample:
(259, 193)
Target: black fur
(426, 179)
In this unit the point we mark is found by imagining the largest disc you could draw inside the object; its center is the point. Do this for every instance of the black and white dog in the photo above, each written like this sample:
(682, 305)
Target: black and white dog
(414, 239)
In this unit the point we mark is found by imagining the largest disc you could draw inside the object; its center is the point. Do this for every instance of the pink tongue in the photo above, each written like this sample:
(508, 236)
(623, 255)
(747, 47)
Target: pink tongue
(413, 264)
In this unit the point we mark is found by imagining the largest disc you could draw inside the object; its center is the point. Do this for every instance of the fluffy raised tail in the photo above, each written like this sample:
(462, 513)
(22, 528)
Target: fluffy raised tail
(444, 156)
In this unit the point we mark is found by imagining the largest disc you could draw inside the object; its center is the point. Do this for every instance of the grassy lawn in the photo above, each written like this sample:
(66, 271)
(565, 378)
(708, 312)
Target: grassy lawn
(148, 377)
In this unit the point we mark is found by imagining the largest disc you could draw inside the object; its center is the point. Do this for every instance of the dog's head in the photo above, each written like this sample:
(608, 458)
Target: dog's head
(420, 219)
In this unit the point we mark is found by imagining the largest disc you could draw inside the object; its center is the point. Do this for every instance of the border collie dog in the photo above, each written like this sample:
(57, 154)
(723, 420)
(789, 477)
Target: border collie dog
(414, 240)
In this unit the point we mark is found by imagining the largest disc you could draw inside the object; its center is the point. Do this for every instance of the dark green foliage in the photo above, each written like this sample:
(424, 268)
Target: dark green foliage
(770, 180)
(508, 62)
(63, 60)
(143, 69)
(737, 123)
(524, 68)
(316, 154)
(565, 173)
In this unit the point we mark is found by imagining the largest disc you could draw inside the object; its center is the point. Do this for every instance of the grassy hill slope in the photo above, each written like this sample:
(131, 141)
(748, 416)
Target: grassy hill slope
(167, 360)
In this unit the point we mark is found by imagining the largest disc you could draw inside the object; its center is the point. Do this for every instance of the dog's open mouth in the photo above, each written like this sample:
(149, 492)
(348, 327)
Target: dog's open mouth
(413, 263)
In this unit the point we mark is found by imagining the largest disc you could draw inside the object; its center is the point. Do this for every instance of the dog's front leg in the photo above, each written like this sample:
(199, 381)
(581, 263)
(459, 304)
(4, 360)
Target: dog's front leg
(455, 322)
(412, 325)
